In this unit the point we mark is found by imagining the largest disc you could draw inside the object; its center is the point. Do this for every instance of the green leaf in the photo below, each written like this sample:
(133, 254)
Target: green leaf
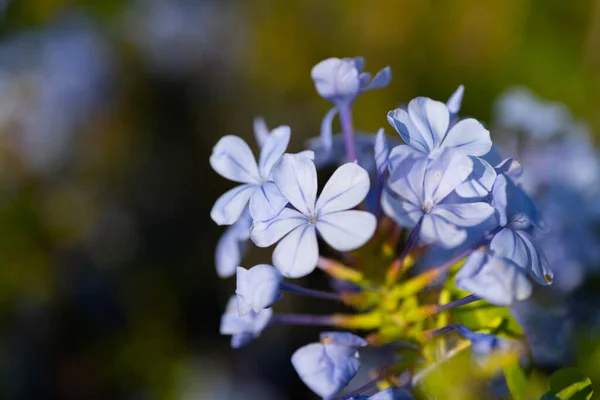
(569, 384)
(516, 380)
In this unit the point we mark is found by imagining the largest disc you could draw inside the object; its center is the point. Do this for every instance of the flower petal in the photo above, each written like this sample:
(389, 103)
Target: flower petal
(401, 121)
(445, 173)
(231, 204)
(272, 150)
(266, 202)
(296, 178)
(261, 132)
(232, 158)
(464, 214)
(382, 153)
(346, 230)
(480, 182)
(403, 213)
(232, 246)
(266, 233)
(336, 79)
(346, 188)
(407, 180)
(381, 79)
(455, 101)
(401, 153)
(497, 280)
(435, 229)
(431, 118)
(296, 255)
(470, 137)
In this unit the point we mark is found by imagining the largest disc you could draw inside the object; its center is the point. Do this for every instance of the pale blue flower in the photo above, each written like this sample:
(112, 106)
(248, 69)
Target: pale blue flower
(341, 80)
(232, 245)
(328, 366)
(330, 215)
(243, 329)
(233, 159)
(498, 280)
(419, 191)
(425, 129)
(257, 288)
(517, 215)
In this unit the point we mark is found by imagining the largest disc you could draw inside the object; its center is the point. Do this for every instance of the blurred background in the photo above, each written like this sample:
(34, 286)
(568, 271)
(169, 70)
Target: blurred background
(108, 113)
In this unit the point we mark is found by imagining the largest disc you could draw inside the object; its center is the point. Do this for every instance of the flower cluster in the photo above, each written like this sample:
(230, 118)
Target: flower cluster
(445, 187)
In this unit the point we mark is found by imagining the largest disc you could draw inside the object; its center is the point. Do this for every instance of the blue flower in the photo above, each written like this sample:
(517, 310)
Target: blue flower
(341, 80)
(455, 101)
(382, 153)
(243, 329)
(257, 288)
(498, 280)
(424, 128)
(233, 159)
(518, 215)
(328, 366)
(419, 189)
(343, 229)
(232, 245)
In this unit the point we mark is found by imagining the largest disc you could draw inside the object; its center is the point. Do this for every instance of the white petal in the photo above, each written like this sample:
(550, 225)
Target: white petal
(261, 132)
(266, 202)
(273, 149)
(407, 180)
(307, 153)
(431, 118)
(347, 230)
(346, 188)
(481, 181)
(230, 205)
(232, 158)
(266, 233)
(297, 254)
(401, 153)
(455, 101)
(464, 214)
(232, 245)
(435, 229)
(445, 173)
(382, 153)
(470, 137)
(403, 213)
(296, 178)
(401, 121)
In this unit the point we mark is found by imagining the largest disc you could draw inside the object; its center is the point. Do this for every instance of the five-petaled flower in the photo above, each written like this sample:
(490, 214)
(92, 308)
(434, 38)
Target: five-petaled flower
(418, 193)
(343, 229)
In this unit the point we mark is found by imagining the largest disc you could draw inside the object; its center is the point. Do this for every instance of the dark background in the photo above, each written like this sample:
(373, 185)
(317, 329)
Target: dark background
(108, 113)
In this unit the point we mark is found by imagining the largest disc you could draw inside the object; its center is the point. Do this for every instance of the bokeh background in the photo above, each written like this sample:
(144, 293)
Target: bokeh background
(108, 113)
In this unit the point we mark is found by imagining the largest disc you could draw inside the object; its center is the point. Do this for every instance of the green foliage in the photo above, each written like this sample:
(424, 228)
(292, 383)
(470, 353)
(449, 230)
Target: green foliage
(569, 384)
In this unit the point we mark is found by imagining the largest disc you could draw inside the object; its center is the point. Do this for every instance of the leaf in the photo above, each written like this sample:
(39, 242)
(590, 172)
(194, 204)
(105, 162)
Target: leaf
(569, 384)
(516, 379)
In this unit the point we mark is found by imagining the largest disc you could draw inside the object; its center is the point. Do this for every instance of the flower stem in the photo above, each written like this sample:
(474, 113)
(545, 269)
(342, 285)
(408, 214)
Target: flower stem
(344, 109)
(290, 287)
(304, 319)
(396, 267)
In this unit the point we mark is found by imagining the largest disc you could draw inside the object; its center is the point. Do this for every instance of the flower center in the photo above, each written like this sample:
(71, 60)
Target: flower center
(312, 220)
(427, 207)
